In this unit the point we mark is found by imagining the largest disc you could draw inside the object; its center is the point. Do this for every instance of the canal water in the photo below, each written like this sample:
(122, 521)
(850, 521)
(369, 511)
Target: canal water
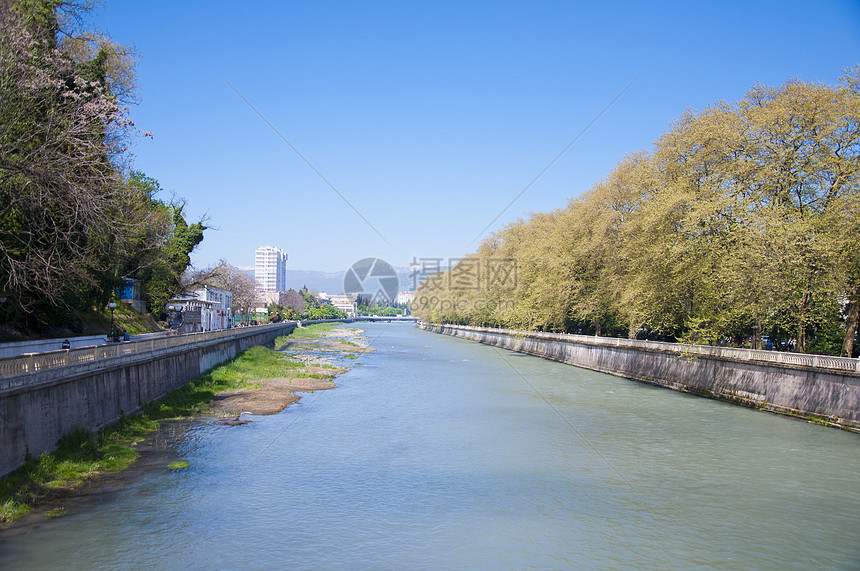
(441, 453)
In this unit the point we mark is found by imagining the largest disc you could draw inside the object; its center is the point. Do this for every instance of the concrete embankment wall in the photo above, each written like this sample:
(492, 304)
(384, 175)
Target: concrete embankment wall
(820, 392)
(41, 407)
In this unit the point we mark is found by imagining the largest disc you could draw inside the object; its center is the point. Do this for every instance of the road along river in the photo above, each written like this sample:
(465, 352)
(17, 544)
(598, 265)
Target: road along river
(439, 453)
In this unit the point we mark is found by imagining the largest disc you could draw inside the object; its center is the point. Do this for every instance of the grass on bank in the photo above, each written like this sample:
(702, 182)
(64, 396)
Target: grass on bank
(83, 454)
(127, 319)
(314, 331)
(196, 396)
(79, 456)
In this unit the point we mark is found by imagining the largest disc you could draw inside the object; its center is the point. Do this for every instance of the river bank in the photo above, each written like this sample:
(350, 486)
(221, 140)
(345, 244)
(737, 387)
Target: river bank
(260, 381)
(814, 388)
(319, 352)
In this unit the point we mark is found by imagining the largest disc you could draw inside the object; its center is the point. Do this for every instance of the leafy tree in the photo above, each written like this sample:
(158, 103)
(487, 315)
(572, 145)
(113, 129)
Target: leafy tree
(742, 222)
(65, 213)
(159, 253)
(296, 302)
(229, 278)
(326, 311)
(278, 312)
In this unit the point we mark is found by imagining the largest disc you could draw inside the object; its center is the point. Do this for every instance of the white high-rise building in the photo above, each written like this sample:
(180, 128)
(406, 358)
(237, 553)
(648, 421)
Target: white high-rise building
(270, 268)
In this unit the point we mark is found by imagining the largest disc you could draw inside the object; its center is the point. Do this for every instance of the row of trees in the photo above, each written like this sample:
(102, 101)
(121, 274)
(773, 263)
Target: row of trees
(294, 304)
(303, 305)
(367, 305)
(73, 219)
(743, 222)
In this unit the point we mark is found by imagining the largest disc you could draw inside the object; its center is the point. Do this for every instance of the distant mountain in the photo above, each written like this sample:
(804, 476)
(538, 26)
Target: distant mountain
(332, 282)
(329, 282)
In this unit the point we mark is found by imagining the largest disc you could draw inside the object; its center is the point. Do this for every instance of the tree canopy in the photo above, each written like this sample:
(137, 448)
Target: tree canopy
(229, 278)
(743, 222)
(73, 221)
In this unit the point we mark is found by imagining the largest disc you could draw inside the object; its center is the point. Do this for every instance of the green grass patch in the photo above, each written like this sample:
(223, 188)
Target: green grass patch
(128, 429)
(314, 331)
(178, 465)
(11, 509)
(78, 457)
(243, 372)
(55, 513)
(127, 319)
(116, 457)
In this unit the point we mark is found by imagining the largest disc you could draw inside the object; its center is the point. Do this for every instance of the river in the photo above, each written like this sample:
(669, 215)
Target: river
(441, 453)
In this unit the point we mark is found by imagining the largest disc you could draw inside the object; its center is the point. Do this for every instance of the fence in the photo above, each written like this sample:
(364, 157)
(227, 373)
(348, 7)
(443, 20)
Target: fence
(33, 362)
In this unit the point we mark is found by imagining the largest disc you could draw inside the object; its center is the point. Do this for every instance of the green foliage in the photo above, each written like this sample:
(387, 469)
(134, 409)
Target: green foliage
(326, 311)
(164, 280)
(303, 305)
(278, 312)
(161, 253)
(383, 310)
(742, 223)
(71, 225)
(78, 457)
(196, 396)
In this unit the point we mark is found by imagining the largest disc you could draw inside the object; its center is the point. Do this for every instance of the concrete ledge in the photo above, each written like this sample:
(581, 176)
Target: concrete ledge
(46, 405)
(827, 395)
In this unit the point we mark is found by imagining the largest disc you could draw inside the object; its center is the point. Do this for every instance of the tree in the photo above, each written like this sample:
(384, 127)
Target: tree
(603, 236)
(295, 301)
(767, 183)
(162, 278)
(326, 311)
(65, 214)
(229, 278)
(278, 312)
(743, 222)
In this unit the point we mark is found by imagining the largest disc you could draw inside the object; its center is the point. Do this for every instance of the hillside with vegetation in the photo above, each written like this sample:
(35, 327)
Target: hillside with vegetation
(741, 225)
(75, 218)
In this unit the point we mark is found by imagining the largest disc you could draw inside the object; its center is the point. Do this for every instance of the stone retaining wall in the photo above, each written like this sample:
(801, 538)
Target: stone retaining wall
(827, 394)
(39, 408)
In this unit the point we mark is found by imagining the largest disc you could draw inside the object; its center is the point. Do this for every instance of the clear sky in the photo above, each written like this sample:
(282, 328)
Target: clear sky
(429, 118)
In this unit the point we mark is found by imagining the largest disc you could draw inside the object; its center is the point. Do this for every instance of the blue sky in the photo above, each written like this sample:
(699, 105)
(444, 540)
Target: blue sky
(430, 117)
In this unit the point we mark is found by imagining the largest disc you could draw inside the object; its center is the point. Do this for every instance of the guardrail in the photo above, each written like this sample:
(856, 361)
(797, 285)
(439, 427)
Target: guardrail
(32, 362)
(738, 354)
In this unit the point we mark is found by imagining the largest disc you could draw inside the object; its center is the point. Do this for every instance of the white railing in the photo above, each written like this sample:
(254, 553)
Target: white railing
(737, 354)
(32, 362)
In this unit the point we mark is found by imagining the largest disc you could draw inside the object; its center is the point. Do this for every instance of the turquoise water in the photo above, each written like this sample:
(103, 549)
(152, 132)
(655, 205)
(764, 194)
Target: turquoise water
(440, 453)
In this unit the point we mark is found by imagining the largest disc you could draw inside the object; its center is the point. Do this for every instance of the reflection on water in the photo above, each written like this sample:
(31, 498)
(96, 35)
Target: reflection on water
(436, 452)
